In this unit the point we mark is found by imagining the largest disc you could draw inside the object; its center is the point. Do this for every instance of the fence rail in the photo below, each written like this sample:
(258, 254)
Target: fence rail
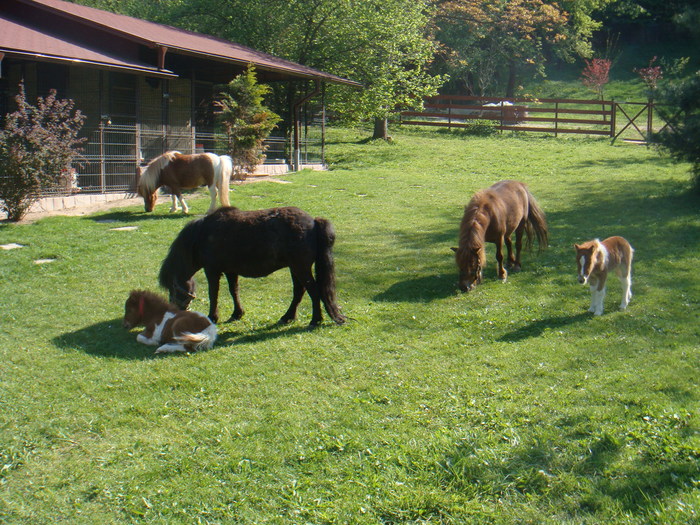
(592, 117)
(629, 121)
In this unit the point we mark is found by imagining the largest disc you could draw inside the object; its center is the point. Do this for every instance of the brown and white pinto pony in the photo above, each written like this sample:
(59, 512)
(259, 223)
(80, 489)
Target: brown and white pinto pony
(167, 327)
(596, 259)
(178, 172)
(493, 215)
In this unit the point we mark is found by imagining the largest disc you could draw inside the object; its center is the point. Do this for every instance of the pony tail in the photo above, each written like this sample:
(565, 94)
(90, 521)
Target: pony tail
(225, 169)
(325, 268)
(536, 225)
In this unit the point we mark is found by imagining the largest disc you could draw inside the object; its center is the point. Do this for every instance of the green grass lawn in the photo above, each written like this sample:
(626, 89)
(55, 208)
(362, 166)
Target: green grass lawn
(510, 404)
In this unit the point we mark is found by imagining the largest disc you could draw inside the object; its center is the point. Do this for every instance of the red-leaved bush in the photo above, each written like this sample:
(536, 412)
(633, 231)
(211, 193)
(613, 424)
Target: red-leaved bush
(650, 75)
(37, 146)
(596, 74)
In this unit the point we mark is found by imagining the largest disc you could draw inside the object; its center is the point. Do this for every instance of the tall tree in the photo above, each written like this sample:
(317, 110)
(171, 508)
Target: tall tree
(389, 55)
(681, 138)
(488, 39)
(492, 44)
(383, 44)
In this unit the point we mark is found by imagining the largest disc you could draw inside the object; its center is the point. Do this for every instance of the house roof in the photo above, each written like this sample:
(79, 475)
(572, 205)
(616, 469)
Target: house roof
(59, 30)
(18, 40)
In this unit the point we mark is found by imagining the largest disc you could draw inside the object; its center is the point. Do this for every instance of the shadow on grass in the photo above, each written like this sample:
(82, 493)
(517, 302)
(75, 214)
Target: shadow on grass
(105, 339)
(531, 468)
(110, 339)
(420, 290)
(267, 333)
(138, 216)
(537, 328)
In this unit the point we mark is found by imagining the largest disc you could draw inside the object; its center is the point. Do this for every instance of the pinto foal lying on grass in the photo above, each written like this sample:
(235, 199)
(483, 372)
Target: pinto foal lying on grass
(166, 325)
(595, 259)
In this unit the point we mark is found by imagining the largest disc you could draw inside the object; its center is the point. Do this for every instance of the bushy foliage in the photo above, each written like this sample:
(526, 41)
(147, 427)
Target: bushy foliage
(596, 74)
(488, 45)
(680, 139)
(650, 75)
(246, 120)
(37, 146)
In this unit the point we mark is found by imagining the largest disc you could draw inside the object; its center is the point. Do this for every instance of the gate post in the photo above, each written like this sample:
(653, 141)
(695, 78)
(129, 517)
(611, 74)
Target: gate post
(613, 113)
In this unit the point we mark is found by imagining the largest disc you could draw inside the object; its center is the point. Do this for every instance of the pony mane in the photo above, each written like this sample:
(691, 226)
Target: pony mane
(600, 248)
(179, 263)
(151, 297)
(471, 231)
(149, 177)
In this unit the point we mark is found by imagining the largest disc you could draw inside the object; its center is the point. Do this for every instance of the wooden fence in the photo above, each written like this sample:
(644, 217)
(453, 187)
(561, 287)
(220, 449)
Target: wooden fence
(589, 117)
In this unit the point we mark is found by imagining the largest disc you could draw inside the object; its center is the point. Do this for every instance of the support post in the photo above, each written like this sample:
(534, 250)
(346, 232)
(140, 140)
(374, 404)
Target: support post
(296, 139)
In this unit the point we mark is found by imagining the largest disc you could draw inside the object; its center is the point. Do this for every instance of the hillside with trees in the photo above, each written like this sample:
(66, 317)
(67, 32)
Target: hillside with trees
(404, 50)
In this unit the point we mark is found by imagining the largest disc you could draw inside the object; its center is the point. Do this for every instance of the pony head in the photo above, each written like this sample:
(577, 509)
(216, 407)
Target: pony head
(149, 198)
(470, 262)
(586, 259)
(149, 179)
(145, 188)
(181, 294)
(133, 309)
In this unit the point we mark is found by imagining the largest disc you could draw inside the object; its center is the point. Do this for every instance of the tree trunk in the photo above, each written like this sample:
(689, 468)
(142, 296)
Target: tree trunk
(381, 129)
(512, 77)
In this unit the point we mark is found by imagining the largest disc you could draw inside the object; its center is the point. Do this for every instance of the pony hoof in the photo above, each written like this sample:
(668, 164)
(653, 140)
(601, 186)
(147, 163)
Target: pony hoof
(285, 321)
(235, 316)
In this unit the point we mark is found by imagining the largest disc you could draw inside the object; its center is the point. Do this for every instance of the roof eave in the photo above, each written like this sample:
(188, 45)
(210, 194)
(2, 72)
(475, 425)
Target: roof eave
(163, 73)
(312, 74)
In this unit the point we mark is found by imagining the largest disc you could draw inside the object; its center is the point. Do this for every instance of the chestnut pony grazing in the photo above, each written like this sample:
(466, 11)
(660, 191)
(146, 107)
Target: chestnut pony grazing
(256, 243)
(167, 327)
(178, 172)
(595, 259)
(493, 215)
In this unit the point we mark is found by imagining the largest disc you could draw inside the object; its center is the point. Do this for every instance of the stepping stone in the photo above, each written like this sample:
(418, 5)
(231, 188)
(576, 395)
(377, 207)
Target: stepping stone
(124, 229)
(11, 246)
(44, 261)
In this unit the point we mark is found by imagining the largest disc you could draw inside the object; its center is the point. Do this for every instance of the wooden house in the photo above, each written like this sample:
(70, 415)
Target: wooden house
(145, 87)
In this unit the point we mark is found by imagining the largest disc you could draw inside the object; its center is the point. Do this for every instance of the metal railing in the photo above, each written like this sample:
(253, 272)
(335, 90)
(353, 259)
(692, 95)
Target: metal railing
(113, 152)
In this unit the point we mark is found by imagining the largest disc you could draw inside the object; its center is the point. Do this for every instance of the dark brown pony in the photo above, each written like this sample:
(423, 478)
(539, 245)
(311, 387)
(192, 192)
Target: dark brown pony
(233, 242)
(493, 215)
(185, 172)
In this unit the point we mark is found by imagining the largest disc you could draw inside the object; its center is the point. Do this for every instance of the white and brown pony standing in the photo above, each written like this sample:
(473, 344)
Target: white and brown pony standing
(493, 215)
(595, 259)
(167, 327)
(185, 172)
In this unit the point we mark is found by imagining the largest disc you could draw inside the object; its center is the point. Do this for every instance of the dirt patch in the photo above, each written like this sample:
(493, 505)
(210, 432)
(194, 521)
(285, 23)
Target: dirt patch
(89, 209)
